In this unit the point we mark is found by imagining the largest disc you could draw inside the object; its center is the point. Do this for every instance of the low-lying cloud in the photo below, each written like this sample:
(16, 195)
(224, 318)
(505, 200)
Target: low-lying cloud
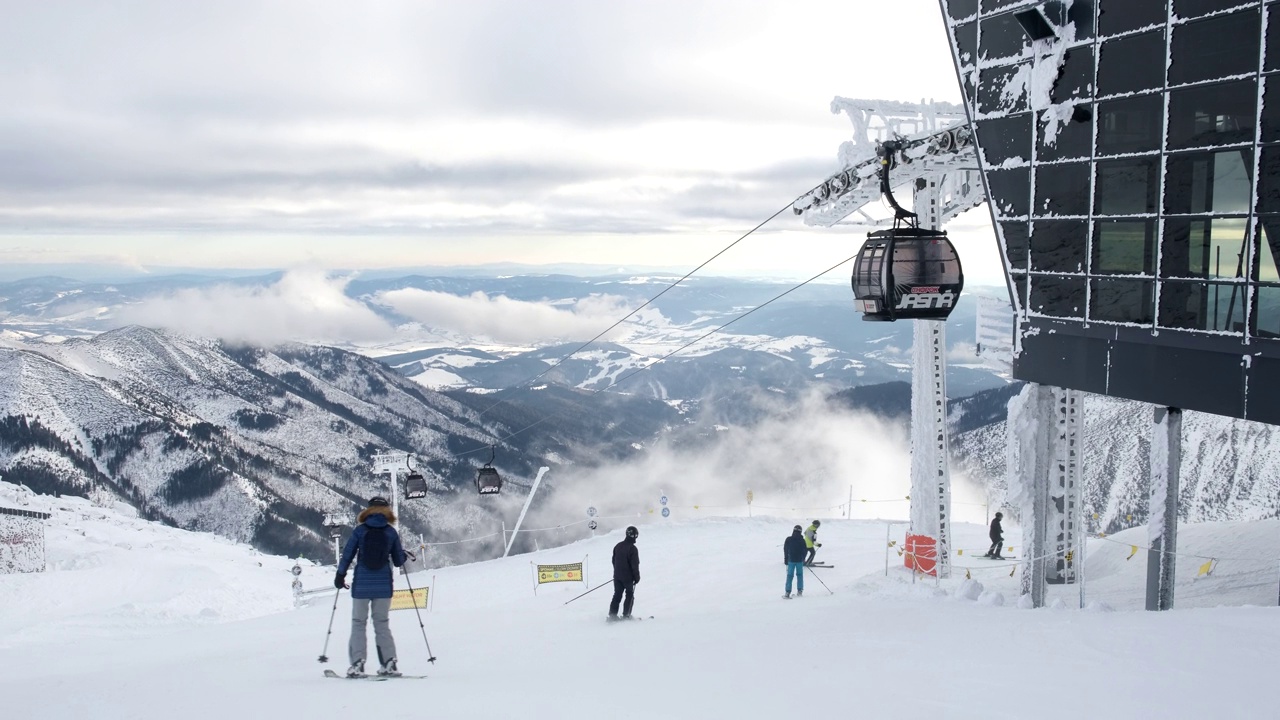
(502, 319)
(303, 306)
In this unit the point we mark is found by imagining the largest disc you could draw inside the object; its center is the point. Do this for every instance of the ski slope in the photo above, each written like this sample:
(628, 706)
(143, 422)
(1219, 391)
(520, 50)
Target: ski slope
(186, 625)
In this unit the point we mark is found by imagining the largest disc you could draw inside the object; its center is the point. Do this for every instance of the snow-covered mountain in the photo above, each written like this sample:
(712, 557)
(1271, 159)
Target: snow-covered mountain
(1230, 468)
(257, 445)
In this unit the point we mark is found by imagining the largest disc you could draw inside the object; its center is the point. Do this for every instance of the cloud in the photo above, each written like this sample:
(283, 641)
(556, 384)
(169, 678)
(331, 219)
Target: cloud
(303, 306)
(503, 319)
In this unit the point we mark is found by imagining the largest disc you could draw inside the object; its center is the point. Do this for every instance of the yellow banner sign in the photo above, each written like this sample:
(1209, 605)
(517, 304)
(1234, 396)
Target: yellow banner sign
(560, 573)
(404, 600)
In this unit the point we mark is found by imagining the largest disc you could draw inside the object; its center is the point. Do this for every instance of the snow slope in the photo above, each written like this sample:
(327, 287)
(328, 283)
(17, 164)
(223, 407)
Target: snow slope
(723, 644)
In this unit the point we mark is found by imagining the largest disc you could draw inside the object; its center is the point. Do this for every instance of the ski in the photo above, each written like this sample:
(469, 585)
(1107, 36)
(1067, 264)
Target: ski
(336, 676)
(1006, 557)
(817, 565)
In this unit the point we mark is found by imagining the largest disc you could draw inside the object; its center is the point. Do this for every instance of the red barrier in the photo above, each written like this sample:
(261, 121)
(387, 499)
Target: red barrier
(921, 554)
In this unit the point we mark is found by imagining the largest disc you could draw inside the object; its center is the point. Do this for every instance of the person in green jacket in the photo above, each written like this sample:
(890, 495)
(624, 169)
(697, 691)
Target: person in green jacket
(811, 541)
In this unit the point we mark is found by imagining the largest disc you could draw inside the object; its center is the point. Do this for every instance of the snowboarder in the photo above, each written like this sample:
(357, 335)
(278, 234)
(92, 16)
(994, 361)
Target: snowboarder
(626, 574)
(811, 541)
(997, 538)
(793, 550)
(371, 545)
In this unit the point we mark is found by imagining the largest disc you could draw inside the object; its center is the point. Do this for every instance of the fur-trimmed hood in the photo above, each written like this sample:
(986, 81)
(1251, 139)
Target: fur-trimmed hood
(388, 516)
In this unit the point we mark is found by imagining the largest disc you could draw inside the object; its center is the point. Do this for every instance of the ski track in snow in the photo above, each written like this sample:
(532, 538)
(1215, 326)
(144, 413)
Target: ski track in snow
(137, 620)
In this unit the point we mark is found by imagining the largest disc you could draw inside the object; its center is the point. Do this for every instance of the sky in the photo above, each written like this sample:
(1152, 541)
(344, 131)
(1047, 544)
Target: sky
(330, 135)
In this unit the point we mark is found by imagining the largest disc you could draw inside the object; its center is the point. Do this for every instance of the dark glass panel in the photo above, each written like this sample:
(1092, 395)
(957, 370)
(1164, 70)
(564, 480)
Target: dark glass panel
(1266, 311)
(1001, 139)
(967, 43)
(1064, 138)
(1186, 9)
(1059, 245)
(1062, 189)
(1215, 47)
(1016, 243)
(1122, 300)
(1130, 125)
(1202, 306)
(1127, 187)
(1271, 106)
(1002, 90)
(1019, 283)
(1076, 78)
(1010, 191)
(1216, 114)
(1081, 15)
(959, 9)
(1269, 180)
(1117, 16)
(1203, 248)
(1204, 182)
(1123, 247)
(1267, 251)
(1273, 38)
(1132, 64)
(1057, 296)
(1000, 36)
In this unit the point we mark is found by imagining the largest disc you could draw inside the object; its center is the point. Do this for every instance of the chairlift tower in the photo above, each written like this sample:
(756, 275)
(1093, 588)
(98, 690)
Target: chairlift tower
(936, 159)
(392, 464)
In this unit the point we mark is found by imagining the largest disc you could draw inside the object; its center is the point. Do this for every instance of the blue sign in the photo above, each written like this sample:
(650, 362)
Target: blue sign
(666, 512)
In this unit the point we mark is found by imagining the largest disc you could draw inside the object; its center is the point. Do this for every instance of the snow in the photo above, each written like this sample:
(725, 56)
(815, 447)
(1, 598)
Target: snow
(138, 620)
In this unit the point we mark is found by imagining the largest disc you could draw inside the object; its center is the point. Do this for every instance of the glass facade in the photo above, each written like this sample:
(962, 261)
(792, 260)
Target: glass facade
(1133, 168)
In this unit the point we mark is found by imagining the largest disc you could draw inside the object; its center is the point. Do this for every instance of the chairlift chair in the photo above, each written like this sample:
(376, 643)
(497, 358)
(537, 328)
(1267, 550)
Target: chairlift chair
(415, 486)
(905, 272)
(488, 481)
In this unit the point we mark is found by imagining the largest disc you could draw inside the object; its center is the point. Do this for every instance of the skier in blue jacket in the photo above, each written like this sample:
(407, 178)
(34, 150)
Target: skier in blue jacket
(372, 544)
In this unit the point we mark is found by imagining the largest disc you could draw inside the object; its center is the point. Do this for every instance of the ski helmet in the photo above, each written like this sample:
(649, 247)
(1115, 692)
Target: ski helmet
(817, 523)
(632, 532)
(377, 501)
(999, 515)
(797, 529)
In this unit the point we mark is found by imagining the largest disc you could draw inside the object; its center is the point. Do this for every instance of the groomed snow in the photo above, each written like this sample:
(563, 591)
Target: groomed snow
(723, 644)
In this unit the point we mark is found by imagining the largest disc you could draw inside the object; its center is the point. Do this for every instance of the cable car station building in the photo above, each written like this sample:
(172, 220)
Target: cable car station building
(1129, 151)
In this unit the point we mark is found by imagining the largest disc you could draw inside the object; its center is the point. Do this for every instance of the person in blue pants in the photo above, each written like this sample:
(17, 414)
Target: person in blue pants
(793, 553)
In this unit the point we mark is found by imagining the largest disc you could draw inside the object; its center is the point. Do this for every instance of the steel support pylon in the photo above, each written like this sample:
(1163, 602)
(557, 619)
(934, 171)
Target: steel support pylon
(930, 444)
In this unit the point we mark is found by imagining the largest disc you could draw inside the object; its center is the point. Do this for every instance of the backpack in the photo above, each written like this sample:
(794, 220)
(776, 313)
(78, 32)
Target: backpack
(375, 548)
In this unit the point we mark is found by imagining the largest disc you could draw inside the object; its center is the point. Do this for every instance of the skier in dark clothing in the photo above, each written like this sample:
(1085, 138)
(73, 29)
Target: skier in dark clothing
(997, 538)
(626, 574)
(372, 544)
(793, 552)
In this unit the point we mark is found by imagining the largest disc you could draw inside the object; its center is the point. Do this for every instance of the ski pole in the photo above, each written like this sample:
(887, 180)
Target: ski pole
(815, 575)
(432, 658)
(606, 582)
(324, 657)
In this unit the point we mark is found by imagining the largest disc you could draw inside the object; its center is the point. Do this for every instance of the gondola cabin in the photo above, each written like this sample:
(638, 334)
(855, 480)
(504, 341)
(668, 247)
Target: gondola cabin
(415, 486)
(907, 273)
(488, 481)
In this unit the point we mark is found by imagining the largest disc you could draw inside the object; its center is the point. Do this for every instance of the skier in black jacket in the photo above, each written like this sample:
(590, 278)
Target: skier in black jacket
(997, 538)
(626, 574)
(793, 552)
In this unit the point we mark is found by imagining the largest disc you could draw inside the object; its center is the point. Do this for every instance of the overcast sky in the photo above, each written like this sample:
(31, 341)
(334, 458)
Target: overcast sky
(341, 135)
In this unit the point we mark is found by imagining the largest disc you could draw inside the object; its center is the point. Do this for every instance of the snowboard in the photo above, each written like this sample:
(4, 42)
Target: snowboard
(336, 676)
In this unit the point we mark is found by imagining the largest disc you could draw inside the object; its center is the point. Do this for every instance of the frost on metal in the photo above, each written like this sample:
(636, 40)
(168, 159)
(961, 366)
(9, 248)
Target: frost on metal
(21, 544)
(1158, 499)
(1026, 455)
(937, 144)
